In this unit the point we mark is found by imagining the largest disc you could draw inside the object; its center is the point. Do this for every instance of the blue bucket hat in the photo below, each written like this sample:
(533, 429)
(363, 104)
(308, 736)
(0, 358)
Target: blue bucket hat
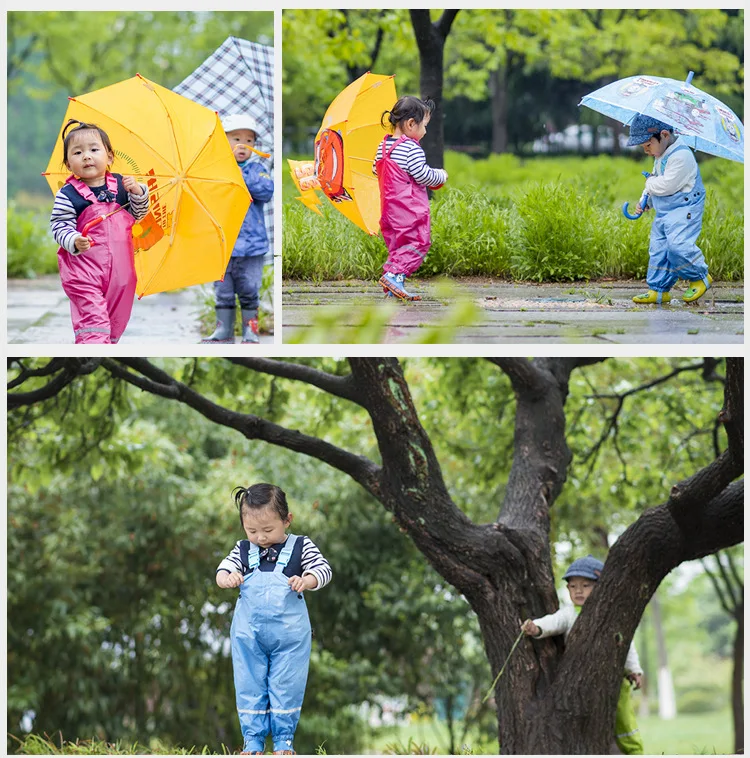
(588, 567)
(642, 128)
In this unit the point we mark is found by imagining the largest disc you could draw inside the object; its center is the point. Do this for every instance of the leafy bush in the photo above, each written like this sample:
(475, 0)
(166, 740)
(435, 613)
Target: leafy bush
(31, 249)
(702, 699)
(544, 219)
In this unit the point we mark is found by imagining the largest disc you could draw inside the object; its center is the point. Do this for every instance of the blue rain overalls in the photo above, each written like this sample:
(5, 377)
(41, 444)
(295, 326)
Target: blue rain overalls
(271, 641)
(672, 251)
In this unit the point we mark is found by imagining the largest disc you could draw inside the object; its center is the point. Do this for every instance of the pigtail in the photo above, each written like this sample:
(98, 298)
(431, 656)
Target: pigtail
(390, 119)
(70, 123)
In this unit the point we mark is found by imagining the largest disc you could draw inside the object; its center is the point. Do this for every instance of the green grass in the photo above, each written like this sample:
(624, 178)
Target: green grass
(689, 734)
(529, 220)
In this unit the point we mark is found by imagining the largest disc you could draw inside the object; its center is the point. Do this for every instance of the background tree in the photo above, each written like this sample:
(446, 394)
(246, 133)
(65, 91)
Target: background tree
(503, 568)
(44, 68)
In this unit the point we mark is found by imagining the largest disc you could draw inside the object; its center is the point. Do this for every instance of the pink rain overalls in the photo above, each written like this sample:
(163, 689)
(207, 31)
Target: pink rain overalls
(100, 281)
(404, 215)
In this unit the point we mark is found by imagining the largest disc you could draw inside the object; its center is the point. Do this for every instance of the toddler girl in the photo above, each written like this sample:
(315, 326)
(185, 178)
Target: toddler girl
(97, 269)
(271, 636)
(403, 177)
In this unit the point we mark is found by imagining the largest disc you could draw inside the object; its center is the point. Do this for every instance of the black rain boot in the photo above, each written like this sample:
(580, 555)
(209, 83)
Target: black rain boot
(224, 332)
(250, 327)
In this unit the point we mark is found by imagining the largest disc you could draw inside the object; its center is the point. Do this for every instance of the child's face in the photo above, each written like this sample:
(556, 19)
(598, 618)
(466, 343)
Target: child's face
(264, 527)
(239, 137)
(87, 157)
(416, 130)
(655, 147)
(580, 588)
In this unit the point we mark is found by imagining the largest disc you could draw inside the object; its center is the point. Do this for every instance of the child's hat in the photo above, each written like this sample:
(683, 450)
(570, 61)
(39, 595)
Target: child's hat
(588, 567)
(239, 121)
(643, 128)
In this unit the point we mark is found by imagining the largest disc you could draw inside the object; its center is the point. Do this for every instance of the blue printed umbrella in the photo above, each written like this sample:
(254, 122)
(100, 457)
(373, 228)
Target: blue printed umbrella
(703, 122)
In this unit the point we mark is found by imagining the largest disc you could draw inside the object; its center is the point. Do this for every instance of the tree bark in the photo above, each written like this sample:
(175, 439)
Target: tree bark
(499, 104)
(738, 709)
(430, 38)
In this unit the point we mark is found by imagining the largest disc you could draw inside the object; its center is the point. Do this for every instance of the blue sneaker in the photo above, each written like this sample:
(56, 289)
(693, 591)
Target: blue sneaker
(394, 283)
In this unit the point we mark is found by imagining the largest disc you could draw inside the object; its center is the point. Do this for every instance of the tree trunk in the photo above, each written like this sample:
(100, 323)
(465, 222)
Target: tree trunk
(430, 40)
(665, 687)
(738, 710)
(499, 101)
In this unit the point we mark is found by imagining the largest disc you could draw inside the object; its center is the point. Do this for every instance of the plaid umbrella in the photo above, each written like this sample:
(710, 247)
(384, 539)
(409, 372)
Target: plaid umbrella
(238, 78)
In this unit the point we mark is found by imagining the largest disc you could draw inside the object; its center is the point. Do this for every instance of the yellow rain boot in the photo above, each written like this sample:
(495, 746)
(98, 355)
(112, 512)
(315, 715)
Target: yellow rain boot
(697, 289)
(652, 296)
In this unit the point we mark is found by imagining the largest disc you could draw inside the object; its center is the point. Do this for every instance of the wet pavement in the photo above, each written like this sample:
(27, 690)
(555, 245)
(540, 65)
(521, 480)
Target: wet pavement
(38, 312)
(497, 311)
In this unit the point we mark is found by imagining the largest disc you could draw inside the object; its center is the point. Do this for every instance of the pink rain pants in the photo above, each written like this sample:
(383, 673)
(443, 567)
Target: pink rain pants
(404, 215)
(100, 281)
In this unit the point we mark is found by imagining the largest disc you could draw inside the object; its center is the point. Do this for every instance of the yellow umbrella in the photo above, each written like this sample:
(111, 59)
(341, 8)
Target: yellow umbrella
(198, 197)
(345, 148)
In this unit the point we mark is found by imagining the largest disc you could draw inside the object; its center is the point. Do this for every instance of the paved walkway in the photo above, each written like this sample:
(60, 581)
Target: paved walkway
(38, 312)
(594, 312)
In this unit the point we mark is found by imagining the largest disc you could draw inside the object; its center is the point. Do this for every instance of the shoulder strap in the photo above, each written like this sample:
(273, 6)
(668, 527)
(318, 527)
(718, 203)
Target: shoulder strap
(81, 188)
(401, 139)
(286, 553)
(249, 555)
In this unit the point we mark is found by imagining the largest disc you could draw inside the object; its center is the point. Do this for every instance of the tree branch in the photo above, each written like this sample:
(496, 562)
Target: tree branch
(69, 368)
(340, 386)
(445, 22)
(155, 380)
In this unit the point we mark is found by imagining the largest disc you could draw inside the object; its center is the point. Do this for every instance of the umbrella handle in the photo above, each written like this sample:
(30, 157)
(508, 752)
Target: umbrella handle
(90, 225)
(252, 149)
(644, 203)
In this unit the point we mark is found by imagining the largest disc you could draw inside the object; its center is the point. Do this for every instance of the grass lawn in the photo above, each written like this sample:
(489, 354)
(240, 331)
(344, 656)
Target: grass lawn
(689, 734)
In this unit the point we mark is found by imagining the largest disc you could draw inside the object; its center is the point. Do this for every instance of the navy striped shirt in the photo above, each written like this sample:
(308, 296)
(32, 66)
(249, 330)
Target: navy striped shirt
(410, 156)
(69, 205)
(313, 562)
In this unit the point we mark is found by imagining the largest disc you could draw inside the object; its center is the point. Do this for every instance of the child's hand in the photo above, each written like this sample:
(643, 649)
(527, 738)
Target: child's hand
(300, 583)
(636, 679)
(131, 185)
(530, 628)
(83, 243)
(226, 580)
(640, 209)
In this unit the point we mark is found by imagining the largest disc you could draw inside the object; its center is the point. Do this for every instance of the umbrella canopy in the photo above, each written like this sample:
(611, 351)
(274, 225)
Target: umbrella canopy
(704, 122)
(178, 148)
(345, 148)
(238, 78)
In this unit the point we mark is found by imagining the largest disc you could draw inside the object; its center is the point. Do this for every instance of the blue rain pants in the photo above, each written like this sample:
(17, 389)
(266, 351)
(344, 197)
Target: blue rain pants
(672, 251)
(271, 641)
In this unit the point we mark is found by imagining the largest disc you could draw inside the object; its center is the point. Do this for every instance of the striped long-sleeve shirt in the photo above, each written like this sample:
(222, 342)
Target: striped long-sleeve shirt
(313, 562)
(69, 205)
(410, 156)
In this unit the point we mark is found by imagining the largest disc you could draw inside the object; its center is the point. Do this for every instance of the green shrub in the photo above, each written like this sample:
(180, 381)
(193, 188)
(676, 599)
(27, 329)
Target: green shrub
(557, 239)
(699, 699)
(31, 250)
(541, 219)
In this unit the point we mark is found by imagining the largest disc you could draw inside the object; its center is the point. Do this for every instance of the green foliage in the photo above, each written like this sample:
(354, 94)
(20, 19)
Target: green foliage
(31, 249)
(44, 68)
(538, 220)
